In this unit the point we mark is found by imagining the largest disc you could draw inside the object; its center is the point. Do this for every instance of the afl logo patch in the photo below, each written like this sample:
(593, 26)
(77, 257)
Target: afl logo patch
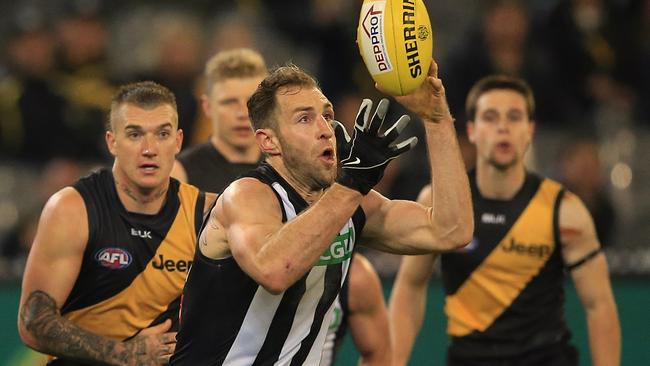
(114, 258)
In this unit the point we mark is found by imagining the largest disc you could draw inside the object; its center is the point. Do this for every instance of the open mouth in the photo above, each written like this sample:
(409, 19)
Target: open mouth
(148, 168)
(328, 155)
(504, 145)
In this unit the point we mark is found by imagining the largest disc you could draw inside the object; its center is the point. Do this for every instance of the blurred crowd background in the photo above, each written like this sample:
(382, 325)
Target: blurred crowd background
(588, 62)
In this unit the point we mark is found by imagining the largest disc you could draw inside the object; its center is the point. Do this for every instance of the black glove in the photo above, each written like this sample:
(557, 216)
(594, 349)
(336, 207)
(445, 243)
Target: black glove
(363, 158)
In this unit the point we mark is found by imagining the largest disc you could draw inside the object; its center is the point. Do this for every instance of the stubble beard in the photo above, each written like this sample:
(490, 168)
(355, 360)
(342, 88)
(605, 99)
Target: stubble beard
(312, 176)
(309, 173)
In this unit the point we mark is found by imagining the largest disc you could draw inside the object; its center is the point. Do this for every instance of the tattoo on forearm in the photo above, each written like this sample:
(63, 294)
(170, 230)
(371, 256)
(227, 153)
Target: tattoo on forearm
(60, 337)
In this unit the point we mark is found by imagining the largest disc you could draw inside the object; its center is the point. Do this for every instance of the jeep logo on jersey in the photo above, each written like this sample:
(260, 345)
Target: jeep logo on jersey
(113, 258)
(534, 250)
(170, 265)
(339, 250)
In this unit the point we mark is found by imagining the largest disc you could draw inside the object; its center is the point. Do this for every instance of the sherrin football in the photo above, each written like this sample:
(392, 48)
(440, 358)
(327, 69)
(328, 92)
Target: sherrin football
(395, 41)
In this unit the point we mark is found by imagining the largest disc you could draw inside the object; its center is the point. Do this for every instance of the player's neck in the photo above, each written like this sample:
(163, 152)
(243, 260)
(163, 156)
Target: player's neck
(499, 184)
(138, 200)
(249, 155)
(298, 182)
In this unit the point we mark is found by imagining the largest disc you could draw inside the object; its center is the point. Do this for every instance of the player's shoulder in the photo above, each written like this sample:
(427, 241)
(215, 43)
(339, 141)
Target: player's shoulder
(573, 211)
(67, 198)
(248, 194)
(245, 186)
(66, 205)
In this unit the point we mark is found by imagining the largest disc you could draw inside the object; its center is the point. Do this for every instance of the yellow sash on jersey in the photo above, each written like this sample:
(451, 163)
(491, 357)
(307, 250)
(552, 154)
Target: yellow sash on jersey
(505, 272)
(134, 308)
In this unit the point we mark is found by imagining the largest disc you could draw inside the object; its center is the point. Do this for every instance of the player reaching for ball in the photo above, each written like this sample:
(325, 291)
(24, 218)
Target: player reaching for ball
(277, 246)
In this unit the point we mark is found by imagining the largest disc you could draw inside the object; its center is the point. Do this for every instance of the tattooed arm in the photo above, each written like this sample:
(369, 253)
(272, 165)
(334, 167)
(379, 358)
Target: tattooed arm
(52, 269)
(56, 335)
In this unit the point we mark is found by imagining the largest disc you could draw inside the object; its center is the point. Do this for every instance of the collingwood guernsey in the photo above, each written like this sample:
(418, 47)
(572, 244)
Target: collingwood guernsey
(228, 319)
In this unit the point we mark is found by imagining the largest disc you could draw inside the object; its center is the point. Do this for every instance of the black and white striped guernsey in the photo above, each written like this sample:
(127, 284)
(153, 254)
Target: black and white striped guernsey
(228, 319)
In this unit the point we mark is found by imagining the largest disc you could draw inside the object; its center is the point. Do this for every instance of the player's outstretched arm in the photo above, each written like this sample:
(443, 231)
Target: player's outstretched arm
(446, 221)
(52, 269)
(588, 266)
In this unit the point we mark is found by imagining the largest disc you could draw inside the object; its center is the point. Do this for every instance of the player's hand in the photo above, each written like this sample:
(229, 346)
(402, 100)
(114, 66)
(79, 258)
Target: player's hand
(152, 346)
(428, 101)
(363, 158)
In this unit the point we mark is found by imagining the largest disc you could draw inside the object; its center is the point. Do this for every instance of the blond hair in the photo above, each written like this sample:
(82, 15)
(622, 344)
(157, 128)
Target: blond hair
(234, 64)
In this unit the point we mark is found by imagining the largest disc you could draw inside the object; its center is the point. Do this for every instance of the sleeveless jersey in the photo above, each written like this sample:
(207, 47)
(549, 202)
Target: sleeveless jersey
(228, 319)
(504, 291)
(207, 169)
(338, 326)
(134, 265)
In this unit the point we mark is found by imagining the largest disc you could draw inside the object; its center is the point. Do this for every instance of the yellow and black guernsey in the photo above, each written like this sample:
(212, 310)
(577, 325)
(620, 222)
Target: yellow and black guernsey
(134, 266)
(504, 291)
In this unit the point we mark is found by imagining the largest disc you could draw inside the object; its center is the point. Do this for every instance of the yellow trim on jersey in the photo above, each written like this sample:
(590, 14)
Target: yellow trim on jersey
(151, 292)
(507, 270)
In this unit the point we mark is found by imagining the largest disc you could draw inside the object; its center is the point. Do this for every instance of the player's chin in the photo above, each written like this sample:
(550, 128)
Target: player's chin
(326, 178)
(504, 162)
(149, 183)
(151, 179)
(331, 178)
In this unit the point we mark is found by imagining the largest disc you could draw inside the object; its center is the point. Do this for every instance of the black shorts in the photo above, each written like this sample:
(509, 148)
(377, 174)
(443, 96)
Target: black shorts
(558, 355)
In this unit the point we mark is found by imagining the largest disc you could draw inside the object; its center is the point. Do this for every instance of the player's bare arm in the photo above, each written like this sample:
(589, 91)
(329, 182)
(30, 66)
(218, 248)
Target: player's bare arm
(408, 298)
(580, 250)
(368, 316)
(52, 268)
(444, 222)
(248, 218)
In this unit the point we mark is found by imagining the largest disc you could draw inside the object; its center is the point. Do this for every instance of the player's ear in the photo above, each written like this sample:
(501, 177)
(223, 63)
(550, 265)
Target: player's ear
(179, 140)
(205, 105)
(532, 128)
(469, 126)
(268, 141)
(110, 142)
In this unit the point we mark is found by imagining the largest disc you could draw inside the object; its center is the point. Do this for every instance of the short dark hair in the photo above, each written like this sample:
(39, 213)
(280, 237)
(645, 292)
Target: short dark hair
(263, 103)
(493, 82)
(143, 94)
